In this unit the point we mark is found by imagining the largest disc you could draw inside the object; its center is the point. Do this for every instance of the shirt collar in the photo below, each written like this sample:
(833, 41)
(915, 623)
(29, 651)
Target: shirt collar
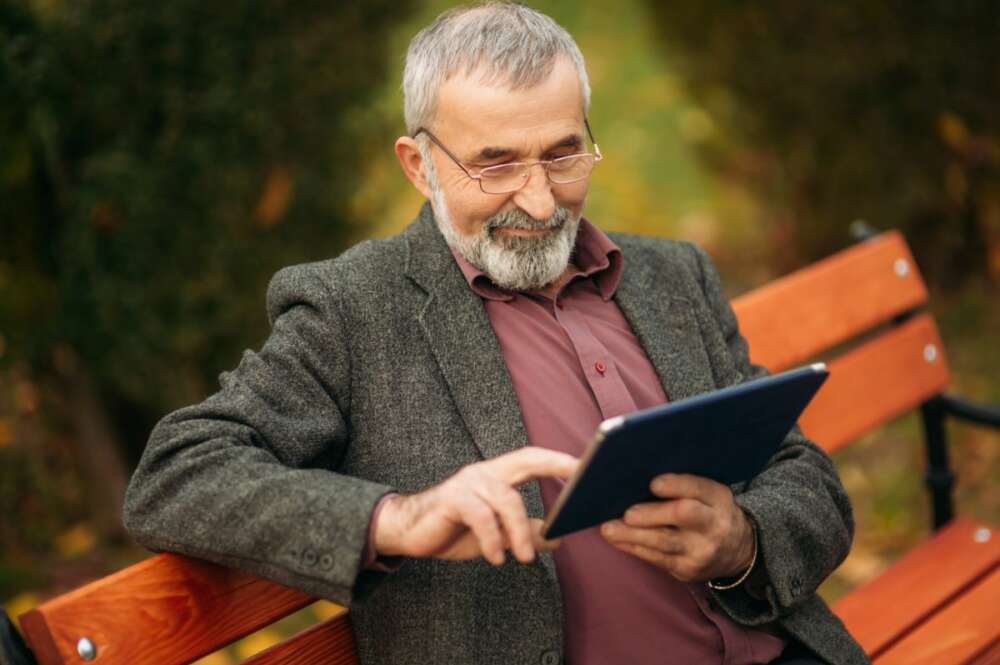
(596, 256)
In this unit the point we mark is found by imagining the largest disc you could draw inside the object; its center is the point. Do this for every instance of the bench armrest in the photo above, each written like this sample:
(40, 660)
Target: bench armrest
(976, 412)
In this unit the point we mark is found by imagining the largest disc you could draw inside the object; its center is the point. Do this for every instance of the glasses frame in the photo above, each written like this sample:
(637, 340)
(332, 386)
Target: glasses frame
(544, 162)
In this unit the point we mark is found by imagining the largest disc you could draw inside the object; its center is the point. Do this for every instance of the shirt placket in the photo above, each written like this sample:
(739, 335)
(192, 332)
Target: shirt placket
(599, 368)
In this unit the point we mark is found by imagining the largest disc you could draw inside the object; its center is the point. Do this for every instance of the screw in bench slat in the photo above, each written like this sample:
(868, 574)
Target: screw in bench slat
(930, 353)
(86, 649)
(902, 267)
(982, 535)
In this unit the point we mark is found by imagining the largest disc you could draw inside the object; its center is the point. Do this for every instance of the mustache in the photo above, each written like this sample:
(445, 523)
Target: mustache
(520, 220)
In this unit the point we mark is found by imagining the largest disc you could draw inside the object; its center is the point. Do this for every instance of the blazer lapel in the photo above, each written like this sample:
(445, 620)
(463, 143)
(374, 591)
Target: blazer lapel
(458, 330)
(667, 328)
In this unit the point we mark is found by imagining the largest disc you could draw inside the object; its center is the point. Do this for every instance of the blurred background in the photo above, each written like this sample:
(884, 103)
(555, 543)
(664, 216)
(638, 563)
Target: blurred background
(159, 161)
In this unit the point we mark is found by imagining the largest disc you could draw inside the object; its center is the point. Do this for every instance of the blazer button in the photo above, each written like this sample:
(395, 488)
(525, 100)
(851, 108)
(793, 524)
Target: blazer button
(326, 561)
(550, 657)
(309, 558)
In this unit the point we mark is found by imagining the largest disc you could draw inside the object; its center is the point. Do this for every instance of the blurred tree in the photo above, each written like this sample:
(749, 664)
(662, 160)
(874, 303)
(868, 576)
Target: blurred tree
(886, 111)
(159, 162)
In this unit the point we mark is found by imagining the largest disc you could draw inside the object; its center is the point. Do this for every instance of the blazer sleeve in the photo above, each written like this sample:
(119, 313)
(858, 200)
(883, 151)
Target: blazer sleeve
(243, 479)
(803, 516)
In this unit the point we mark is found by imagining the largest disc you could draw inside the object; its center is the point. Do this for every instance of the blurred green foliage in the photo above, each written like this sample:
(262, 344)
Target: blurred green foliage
(160, 161)
(834, 111)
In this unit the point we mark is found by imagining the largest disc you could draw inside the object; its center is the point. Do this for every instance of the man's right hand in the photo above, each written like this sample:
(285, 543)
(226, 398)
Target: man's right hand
(476, 512)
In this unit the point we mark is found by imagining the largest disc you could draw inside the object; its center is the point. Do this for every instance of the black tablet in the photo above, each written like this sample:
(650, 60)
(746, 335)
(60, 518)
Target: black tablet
(726, 435)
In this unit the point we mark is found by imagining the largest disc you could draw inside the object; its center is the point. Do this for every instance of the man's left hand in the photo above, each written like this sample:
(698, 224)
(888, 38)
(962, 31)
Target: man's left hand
(696, 533)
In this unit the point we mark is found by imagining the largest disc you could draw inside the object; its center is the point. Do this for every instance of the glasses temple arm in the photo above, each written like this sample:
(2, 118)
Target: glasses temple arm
(597, 148)
(435, 141)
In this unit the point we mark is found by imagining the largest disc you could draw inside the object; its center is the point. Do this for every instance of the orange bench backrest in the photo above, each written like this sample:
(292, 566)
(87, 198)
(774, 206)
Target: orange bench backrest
(814, 313)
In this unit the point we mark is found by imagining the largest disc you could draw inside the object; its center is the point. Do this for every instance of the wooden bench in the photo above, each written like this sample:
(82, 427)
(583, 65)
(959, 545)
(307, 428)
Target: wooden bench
(940, 603)
(858, 310)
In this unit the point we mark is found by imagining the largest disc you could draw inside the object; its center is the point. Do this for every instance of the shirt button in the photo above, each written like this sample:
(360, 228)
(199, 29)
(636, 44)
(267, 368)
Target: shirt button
(550, 657)
(600, 367)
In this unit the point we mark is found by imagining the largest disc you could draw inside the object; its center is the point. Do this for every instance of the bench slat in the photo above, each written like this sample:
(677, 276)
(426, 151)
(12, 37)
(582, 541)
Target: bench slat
(864, 389)
(989, 657)
(829, 302)
(166, 610)
(327, 643)
(963, 632)
(927, 578)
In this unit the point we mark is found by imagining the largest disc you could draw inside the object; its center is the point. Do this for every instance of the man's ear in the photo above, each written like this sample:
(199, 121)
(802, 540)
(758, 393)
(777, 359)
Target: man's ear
(412, 163)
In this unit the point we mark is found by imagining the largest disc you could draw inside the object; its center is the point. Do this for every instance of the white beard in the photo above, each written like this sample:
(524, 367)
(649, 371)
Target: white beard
(513, 262)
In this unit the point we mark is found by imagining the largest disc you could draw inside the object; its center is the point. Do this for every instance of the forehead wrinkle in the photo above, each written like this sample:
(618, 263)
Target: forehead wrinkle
(560, 81)
(511, 70)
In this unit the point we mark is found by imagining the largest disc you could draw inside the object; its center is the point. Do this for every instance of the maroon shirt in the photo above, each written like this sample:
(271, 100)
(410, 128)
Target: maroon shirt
(574, 362)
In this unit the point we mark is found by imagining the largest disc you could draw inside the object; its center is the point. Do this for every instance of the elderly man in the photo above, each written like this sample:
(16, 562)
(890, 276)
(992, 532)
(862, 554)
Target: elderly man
(419, 399)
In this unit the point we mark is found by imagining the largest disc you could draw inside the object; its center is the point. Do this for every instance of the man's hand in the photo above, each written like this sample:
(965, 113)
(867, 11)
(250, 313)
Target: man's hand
(476, 512)
(696, 533)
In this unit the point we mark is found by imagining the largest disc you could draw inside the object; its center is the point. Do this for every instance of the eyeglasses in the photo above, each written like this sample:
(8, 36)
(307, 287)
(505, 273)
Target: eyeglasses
(512, 176)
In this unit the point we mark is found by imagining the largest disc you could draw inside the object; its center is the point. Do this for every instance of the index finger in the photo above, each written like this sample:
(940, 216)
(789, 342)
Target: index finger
(532, 462)
(686, 486)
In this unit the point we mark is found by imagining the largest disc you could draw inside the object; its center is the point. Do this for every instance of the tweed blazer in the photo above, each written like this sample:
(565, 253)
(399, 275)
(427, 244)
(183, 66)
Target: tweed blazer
(382, 373)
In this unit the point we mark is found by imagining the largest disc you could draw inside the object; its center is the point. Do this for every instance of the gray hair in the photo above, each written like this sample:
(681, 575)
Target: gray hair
(515, 45)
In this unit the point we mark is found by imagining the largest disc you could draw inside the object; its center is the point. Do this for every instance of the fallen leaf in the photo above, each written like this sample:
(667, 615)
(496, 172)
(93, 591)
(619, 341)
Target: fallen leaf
(20, 604)
(6, 433)
(276, 197)
(326, 610)
(76, 541)
(953, 131)
(257, 642)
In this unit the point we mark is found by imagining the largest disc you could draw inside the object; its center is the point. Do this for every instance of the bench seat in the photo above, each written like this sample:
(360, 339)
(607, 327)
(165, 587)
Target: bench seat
(963, 631)
(898, 602)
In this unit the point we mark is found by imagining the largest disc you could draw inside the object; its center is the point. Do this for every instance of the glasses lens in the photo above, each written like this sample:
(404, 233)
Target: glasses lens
(571, 169)
(511, 177)
(503, 178)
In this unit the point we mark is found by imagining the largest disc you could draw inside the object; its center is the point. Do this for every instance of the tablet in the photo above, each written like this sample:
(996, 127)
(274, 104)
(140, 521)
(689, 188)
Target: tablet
(727, 435)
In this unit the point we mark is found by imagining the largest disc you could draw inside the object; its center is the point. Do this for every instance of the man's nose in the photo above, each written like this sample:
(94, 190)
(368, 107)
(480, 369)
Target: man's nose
(536, 198)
